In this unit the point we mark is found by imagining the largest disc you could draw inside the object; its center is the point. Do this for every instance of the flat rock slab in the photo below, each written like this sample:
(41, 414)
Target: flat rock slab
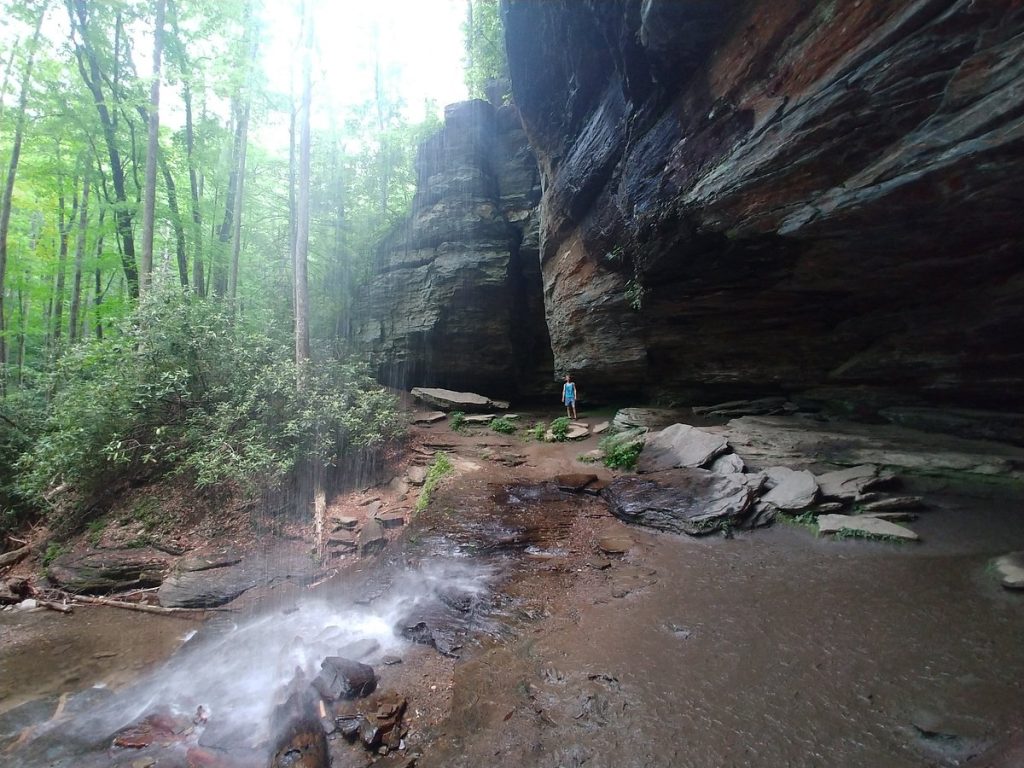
(600, 429)
(575, 482)
(343, 523)
(212, 587)
(391, 520)
(847, 484)
(97, 571)
(791, 490)
(427, 417)
(864, 525)
(894, 504)
(728, 464)
(416, 475)
(371, 538)
(688, 500)
(648, 418)
(574, 432)
(479, 418)
(1011, 569)
(205, 558)
(615, 544)
(680, 445)
(450, 400)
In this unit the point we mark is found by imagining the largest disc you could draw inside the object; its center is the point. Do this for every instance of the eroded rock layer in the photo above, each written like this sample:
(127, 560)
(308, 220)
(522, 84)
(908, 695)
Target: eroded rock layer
(455, 300)
(779, 194)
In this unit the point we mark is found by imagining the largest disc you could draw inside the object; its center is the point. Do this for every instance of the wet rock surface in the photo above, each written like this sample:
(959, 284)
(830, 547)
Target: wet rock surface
(680, 445)
(342, 678)
(209, 579)
(693, 501)
(97, 571)
(1010, 569)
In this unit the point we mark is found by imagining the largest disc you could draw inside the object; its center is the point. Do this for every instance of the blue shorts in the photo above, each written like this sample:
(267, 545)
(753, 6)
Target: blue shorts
(570, 401)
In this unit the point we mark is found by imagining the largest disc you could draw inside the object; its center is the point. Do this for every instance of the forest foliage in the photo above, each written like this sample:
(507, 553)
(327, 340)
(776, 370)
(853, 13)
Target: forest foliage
(103, 374)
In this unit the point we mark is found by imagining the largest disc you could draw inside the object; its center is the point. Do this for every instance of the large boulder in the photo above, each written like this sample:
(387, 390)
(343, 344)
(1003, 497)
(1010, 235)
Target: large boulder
(97, 571)
(450, 400)
(342, 678)
(1010, 569)
(790, 490)
(692, 501)
(680, 445)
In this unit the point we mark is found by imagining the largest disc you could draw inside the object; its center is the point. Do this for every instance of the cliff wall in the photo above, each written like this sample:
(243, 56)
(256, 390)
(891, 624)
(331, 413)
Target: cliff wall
(455, 299)
(785, 195)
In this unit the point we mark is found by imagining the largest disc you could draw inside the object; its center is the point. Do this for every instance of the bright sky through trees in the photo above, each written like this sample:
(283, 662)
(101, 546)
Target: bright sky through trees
(419, 45)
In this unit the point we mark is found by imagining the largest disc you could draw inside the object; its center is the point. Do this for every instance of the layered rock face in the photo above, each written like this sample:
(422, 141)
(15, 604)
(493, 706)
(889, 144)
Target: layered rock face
(784, 195)
(455, 300)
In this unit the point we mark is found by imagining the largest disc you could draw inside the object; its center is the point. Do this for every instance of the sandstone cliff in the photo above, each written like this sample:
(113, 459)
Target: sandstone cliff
(779, 194)
(455, 299)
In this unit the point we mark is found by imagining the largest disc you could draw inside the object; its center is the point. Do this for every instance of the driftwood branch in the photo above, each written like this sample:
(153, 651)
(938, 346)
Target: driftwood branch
(159, 610)
(14, 556)
(59, 607)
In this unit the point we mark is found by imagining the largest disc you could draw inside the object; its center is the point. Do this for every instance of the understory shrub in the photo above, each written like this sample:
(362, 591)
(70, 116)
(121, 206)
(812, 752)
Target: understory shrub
(503, 425)
(440, 468)
(622, 450)
(560, 428)
(185, 386)
(456, 420)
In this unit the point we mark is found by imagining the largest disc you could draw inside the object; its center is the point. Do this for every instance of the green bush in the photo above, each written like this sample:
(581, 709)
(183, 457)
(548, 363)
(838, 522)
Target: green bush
(503, 426)
(184, 386)
(439, 469)
(537, 431)
(621, 450)
(457, 420)
(560, 428)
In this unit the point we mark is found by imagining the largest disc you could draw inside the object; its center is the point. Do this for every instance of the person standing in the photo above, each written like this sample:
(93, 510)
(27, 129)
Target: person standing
(569, 396)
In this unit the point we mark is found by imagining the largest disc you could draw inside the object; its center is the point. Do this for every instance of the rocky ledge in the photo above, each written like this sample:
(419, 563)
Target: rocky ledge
(778, 194)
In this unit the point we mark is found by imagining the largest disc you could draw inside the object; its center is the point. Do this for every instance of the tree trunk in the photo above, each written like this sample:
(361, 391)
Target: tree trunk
(152, 150)
(236, 236)
(65, 223)
(198, 281)
(302, 202)
(76, 285)
(8, 192)
(89, 69)
(176, 222)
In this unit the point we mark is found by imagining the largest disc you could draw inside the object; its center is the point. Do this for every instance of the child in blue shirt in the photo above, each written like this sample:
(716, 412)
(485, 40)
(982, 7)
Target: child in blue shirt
(569, 397)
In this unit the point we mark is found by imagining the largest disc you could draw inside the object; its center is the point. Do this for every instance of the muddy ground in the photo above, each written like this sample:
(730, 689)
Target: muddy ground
(770, 648)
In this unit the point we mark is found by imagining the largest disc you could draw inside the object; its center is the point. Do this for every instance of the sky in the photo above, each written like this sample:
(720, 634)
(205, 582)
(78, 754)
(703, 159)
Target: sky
(420, 44)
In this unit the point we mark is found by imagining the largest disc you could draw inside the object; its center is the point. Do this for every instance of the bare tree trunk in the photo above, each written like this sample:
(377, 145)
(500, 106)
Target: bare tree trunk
(65, 224)
(198, 281)
(8, 191)
(179, 227)
(236, 236)
(76, 285)
(302, 201)
(89, 69)
(152, 150)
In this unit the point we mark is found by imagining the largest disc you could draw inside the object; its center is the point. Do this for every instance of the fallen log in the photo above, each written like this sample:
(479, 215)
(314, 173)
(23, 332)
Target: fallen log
(159, 610)
(14, 556)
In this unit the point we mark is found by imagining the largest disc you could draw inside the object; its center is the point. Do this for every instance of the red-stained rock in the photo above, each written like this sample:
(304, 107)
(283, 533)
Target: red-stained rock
(779, 194)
